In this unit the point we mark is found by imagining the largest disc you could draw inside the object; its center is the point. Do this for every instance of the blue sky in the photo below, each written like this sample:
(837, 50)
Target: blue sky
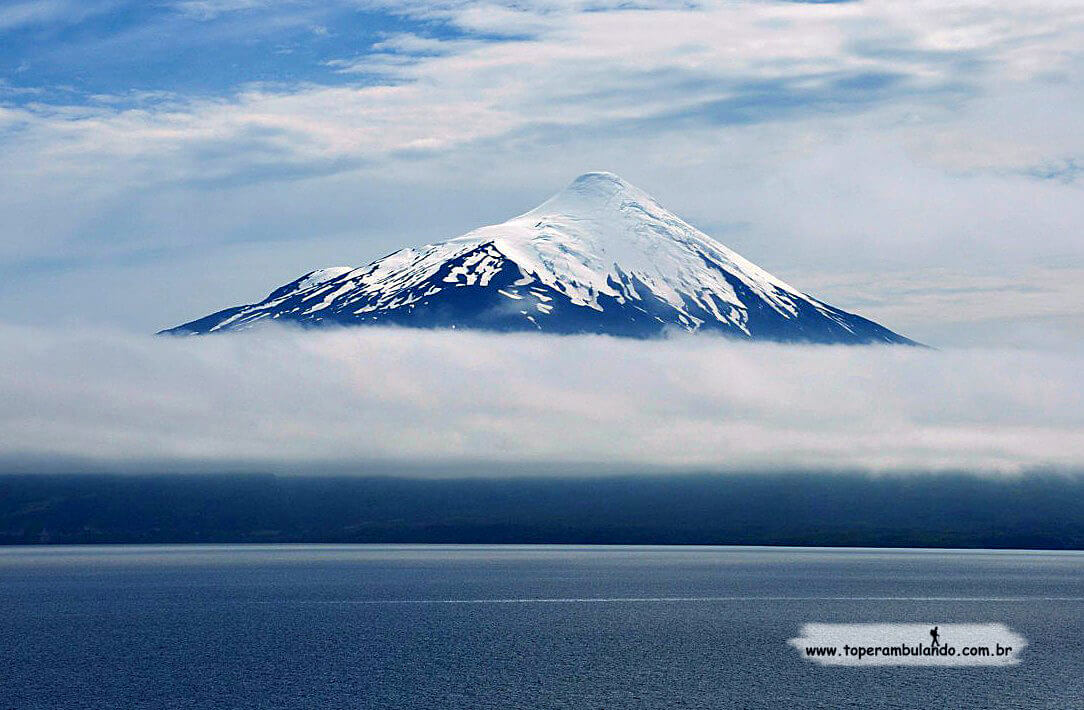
(918, 163)
(76, 51)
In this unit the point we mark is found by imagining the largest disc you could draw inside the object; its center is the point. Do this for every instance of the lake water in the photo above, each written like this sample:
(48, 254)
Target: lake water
(410, 626)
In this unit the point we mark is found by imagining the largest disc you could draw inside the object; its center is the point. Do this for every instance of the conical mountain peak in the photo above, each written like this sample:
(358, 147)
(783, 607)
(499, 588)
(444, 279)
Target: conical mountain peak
(600, 256)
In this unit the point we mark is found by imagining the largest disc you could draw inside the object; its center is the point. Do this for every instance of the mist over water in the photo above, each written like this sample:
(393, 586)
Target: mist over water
(389, 396)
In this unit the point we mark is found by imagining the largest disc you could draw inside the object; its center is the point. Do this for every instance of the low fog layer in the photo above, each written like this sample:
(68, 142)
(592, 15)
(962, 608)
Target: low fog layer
(410, 397)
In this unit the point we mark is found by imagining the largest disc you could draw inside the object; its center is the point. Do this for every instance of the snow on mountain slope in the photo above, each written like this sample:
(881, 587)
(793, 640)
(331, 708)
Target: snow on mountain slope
(601, 256)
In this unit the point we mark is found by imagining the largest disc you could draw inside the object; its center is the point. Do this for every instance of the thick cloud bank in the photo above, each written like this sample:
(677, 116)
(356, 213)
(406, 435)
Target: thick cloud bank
(409, 397)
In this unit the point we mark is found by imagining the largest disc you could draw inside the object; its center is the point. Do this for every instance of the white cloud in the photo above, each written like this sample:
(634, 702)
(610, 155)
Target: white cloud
(373, 395)
(581, 69)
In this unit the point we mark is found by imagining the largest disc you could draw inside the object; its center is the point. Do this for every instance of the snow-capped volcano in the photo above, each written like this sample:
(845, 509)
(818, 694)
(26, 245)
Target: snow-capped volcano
(601, 256)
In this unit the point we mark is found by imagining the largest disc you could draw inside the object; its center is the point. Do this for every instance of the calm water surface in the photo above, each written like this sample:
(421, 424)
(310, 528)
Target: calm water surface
(417, 626)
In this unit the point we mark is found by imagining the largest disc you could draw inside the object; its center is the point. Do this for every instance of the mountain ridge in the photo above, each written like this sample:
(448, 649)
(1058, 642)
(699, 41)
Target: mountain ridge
(600, 256)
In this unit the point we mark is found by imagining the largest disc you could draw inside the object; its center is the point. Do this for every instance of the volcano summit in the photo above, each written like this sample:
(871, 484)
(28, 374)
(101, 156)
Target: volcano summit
(601, 256)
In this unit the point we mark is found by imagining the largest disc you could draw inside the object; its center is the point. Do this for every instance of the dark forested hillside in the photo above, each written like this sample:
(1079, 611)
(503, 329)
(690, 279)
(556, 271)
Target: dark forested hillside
(794, 509)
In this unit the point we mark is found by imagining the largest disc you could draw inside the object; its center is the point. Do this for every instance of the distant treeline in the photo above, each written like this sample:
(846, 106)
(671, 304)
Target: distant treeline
(1031, 512)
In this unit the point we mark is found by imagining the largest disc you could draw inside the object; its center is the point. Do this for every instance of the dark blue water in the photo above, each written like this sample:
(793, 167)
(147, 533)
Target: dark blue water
(515, 627)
